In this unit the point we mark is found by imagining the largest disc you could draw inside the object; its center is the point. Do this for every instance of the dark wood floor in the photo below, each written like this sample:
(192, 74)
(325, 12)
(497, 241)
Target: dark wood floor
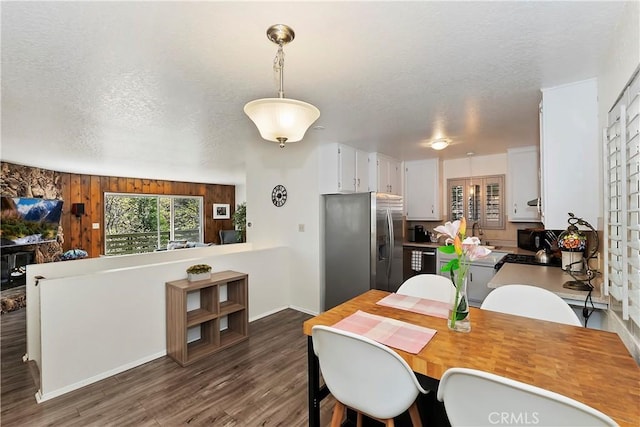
(260, 382)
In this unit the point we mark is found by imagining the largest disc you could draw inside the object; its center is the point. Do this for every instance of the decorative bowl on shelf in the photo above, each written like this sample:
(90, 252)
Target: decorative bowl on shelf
(198, 272)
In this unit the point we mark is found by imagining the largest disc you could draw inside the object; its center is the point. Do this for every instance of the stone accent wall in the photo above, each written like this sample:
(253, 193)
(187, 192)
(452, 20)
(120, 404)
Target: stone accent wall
(27, 181)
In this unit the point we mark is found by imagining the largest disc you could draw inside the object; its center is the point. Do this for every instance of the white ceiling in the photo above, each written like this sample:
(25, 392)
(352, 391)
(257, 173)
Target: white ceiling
(157, 89)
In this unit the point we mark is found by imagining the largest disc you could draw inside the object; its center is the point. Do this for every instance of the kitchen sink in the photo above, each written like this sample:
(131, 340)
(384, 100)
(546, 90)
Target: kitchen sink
(489, 261)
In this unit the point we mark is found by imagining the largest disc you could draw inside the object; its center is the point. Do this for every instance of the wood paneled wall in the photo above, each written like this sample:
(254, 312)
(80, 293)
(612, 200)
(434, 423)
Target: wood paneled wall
(90, 189)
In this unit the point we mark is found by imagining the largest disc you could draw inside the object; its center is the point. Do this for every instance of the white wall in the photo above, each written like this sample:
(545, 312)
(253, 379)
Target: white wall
(93, 265)
(288, 277)
(241, 193)
(295, 167)
(616, 69)
(101, 323)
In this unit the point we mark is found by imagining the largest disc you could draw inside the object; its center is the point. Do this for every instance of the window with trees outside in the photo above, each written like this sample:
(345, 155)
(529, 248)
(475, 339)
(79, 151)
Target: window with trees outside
(137, 223)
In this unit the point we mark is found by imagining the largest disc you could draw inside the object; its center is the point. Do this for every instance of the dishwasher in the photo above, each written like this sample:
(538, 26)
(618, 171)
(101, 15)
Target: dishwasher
(418, 260)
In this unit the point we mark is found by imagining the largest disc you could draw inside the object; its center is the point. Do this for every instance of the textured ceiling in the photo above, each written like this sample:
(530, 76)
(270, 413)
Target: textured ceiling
(157, 89)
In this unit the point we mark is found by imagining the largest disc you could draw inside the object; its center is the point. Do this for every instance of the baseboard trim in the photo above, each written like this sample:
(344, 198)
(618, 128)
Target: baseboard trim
(43, 397)
(304, 310)
(267, 313)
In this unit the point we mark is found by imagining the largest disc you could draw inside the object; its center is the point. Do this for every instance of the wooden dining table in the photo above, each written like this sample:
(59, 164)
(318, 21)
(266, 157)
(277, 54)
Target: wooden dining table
(588, 365)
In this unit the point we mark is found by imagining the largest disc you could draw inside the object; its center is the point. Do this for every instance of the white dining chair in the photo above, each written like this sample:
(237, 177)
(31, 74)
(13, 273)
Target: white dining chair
(477, 398)
(530, 301)
(365, 376)
(428, 286)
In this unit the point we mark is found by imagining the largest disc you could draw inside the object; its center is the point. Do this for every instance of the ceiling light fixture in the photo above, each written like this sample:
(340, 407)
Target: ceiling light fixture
(281, 119)
(439, 144)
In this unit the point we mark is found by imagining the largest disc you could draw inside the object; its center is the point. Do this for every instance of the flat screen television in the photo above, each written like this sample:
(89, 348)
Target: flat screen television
(28, 221)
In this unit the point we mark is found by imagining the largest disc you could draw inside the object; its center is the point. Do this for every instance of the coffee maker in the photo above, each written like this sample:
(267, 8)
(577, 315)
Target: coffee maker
(421, 235)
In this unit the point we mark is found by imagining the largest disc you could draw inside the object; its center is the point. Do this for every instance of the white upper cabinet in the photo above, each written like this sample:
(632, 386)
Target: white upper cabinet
(362, 171)
(523, 184)
(343, 169)
(385, 173)
(569, 153)
(422, 190)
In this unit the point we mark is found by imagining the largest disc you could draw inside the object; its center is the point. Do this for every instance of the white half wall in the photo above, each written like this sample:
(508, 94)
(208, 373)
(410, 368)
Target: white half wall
(95, 325)
(54, 270)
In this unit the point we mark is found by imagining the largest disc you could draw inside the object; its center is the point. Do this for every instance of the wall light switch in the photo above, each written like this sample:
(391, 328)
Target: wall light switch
(95, 226)
(301, 227)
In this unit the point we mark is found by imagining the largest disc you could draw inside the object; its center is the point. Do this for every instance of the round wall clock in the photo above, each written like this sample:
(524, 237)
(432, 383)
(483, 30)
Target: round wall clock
(279, 195)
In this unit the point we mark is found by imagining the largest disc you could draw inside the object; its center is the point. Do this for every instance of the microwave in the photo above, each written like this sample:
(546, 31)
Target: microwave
(534, 239)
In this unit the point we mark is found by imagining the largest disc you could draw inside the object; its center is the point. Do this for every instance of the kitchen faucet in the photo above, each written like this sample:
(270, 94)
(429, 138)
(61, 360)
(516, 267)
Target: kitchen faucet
(473, 230)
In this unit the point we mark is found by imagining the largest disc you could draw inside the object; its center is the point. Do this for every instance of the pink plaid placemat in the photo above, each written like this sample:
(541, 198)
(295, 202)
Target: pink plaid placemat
(416, 305)
(391, 332)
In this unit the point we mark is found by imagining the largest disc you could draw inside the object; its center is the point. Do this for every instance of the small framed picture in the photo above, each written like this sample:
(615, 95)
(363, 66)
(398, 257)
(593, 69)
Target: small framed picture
(221, 211)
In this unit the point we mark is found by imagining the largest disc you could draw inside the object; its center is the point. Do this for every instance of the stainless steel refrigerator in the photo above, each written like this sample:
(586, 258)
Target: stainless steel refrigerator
(362, 243)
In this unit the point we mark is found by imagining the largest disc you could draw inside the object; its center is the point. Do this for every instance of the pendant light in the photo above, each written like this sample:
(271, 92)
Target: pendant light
(281, 119)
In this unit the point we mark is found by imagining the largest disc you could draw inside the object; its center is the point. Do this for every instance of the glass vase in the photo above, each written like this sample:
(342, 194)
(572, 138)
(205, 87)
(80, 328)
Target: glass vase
(459, 312)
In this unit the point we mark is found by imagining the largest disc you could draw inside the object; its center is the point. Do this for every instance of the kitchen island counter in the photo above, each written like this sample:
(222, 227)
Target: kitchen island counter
(550, 278)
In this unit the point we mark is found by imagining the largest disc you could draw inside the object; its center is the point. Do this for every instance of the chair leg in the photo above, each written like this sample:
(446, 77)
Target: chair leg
(415, 415)
(389, 423)
(359, 420)
(338, 414)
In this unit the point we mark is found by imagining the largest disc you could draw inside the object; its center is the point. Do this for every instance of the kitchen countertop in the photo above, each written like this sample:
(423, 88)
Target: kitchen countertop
(550, 278)
(504, 249)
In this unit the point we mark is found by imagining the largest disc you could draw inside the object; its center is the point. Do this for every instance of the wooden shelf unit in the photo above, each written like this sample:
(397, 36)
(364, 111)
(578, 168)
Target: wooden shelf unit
(208, 316)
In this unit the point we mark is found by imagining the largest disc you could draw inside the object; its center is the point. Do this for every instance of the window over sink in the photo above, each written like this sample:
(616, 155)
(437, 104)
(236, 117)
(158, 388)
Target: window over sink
(478, 199)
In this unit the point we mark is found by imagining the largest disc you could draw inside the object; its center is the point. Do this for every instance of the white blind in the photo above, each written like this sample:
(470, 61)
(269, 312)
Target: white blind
(622, 202)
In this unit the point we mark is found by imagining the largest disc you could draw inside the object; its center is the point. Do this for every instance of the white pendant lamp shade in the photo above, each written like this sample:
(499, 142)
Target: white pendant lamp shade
(281, 118)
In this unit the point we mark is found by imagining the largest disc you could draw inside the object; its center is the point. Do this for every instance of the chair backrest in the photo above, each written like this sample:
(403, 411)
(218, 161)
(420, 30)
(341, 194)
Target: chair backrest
(477, 398)
(428, 286)
(228, 236)
(530, 301)
(363, 374)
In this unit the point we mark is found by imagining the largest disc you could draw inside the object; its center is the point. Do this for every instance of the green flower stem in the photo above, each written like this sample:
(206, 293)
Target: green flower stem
(459, 281)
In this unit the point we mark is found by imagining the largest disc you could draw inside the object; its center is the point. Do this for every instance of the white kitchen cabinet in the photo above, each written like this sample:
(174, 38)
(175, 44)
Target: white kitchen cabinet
(385, 173)
(478, 278)
(569, 153)
(477, 285)
(523, 184)
(480, 274)
(422, 190)
(362, 171)
(343, 169)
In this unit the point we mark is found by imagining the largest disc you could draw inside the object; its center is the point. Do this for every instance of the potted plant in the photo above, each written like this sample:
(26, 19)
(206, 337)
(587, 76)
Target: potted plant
(198, 272)
(239, 218)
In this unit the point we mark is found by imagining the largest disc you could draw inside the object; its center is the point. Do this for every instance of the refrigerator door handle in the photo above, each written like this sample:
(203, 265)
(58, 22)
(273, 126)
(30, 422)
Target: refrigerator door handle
(391, 242)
